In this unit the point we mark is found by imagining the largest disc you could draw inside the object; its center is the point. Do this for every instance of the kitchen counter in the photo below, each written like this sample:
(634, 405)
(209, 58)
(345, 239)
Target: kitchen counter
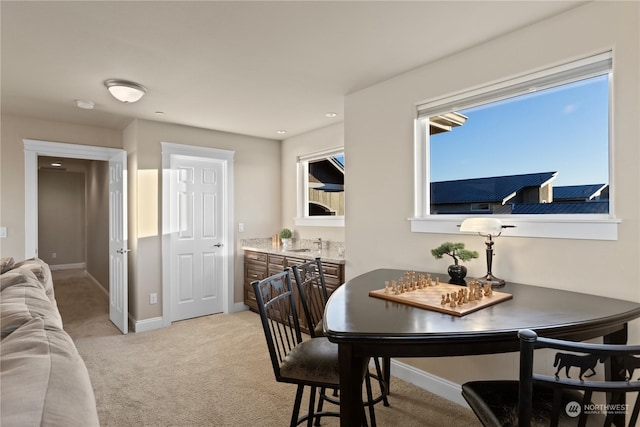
(300, 248)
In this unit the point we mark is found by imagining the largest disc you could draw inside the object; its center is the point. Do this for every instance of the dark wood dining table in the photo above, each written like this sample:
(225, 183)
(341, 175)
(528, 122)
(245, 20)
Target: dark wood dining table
(365, 327)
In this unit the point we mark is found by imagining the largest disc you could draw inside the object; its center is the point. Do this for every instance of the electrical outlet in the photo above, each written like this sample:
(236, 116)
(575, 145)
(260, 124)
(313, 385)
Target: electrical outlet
(54, 255)
(153, 298)
(241, 227)
(3, 232)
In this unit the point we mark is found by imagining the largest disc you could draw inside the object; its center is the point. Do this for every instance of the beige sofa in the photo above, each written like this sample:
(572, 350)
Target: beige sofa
(43, 379)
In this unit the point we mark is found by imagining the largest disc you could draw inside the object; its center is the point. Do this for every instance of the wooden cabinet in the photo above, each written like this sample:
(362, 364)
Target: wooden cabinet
(260, 265)
(255, 268)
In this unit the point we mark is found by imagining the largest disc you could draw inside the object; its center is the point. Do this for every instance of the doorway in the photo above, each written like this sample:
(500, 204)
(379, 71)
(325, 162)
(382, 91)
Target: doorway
(198, 234)
(116, 158)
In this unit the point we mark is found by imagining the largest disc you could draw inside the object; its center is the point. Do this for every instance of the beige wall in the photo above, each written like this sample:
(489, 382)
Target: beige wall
(379, 136)
(307, 143)
(257, 185)
(257, 202)
(61, 217)
(14, 129)
(98, 221)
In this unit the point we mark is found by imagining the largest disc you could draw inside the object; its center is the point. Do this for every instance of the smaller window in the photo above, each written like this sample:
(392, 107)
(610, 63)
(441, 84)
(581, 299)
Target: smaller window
(321, 188)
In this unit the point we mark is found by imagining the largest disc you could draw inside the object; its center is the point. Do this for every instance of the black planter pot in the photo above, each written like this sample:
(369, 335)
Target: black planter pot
(457, 273)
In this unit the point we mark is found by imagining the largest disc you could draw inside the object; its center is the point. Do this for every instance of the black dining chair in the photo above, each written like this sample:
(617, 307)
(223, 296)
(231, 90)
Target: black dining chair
(568, 396)
(312, 362)
(313, 294)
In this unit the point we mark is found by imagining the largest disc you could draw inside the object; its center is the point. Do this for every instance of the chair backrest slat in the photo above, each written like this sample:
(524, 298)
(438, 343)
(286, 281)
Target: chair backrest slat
(279, 317)
(581, 361)
(312, 289)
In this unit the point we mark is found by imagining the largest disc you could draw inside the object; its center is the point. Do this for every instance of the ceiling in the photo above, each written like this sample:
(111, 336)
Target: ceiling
(244, 67)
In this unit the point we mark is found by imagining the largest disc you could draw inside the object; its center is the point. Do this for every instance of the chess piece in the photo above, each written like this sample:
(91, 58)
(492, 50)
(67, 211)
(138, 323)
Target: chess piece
(386, 287)
(487, 290)
(443, 302)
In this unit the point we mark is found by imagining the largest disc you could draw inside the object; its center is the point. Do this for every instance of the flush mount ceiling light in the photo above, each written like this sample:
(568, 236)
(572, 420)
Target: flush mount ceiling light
(125, 91)
(331, 115)
(281, 132)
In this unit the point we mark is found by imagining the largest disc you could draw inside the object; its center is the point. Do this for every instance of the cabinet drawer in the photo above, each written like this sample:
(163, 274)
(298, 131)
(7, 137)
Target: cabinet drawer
(255, 256)
(252, 273)
(295, 261)
(331, 270)
(250, 298)
(277, 260)
(275, 269)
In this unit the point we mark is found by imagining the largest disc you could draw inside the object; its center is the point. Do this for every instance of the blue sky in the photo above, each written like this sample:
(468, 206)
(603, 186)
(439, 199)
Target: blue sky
(562, 129)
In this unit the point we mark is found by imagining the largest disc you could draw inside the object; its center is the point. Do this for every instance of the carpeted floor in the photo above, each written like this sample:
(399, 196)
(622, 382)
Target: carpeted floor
(209, 371)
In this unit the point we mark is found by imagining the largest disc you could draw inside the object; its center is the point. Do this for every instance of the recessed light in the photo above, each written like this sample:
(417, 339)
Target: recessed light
(281, 132)
(56, 164)
(159, 113)
(331, 114)
(84, 104)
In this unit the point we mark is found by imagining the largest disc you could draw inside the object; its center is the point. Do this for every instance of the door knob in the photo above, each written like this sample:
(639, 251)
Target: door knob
(218, 245)
(123, 251)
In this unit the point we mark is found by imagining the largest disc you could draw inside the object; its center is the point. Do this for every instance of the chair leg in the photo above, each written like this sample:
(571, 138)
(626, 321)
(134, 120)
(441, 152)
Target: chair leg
(372, 413)
(296, 406)
(386, 369)
(383, 381)
(312, 406)
(320, 404)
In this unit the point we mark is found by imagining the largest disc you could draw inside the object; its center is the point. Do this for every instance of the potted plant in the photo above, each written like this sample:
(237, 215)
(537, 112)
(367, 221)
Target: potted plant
(285, 235)
(456, 251)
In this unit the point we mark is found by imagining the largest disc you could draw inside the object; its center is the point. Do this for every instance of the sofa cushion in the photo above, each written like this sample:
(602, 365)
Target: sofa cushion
(5, 264)
(19, 277)
(43, 380)
(23, 299)
(41, 270)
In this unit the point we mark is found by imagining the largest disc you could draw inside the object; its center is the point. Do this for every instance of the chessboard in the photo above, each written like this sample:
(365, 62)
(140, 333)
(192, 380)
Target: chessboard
(420, 290)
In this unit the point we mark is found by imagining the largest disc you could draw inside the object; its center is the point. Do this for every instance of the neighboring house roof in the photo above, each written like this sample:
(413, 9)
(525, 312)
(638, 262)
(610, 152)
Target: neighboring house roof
(562, 208)
(491, 190)
(578, 192)
(445, 122)
(331, 188)
(328, 171)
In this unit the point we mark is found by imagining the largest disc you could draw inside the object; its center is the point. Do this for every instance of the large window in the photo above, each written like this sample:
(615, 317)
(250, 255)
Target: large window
(535, 147)
(321, 188)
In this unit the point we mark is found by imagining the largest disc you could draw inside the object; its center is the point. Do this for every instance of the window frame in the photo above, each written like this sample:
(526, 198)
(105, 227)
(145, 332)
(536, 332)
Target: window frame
(568, 226)
(302, 199)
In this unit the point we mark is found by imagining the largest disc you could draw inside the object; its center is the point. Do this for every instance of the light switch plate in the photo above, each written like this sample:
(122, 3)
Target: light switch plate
(3, 232)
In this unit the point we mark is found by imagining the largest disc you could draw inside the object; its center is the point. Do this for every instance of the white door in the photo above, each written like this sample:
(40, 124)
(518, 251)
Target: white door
(118, 303)
(198, 243)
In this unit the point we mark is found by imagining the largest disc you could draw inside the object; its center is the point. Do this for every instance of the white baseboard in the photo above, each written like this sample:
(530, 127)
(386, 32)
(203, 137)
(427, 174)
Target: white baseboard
(68, 266)
(96, 282)
(432, 383)
(146, 324)
(239, 306)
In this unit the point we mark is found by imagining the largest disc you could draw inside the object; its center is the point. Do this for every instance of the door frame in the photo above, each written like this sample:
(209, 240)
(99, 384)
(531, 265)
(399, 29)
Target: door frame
(35, 148)
(169, 150)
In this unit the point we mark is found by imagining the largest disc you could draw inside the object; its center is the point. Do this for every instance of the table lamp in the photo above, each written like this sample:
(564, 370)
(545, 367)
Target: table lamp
(489, 228)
